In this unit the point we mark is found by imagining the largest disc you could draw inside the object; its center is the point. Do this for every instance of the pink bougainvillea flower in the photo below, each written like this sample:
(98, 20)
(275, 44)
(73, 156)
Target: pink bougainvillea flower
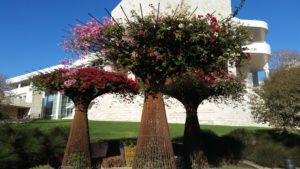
(139, 33)
(70, 82)
(212, 39)
(158, 57)
(215, 27)
(107, 21)
(65, 47)
(66, 61)
(71, 72)
(151, 54)
(212, 18)
(85, 82)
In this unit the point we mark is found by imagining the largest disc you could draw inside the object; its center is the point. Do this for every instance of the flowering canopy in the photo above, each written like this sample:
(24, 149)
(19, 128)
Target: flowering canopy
(85, 83)
(194, 87)
(221, 83)
(86, 38)
(156, 48)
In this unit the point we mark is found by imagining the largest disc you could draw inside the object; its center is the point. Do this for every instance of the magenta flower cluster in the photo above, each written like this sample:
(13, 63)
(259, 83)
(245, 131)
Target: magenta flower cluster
(85, 82)
(85, 36)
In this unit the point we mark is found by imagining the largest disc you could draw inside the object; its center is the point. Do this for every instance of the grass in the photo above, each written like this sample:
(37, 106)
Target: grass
(104, 130)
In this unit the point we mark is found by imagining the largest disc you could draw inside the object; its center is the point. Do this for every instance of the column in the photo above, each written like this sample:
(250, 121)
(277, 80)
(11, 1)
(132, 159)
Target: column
(58, 103)
(255, 79)
(267, 70)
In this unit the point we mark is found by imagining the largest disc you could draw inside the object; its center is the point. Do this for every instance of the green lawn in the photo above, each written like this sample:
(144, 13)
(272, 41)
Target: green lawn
(103, 130)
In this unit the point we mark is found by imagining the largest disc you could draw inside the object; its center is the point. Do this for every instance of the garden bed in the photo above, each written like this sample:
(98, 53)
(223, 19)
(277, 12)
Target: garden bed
(40, 142)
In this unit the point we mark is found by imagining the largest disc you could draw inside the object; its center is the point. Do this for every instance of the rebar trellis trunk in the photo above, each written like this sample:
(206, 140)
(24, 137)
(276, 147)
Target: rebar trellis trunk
(154, 147)
(192, 140)
(77, 152)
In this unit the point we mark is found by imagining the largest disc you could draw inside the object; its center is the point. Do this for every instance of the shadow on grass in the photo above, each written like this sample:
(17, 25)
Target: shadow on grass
(217, 149)
(220, 149)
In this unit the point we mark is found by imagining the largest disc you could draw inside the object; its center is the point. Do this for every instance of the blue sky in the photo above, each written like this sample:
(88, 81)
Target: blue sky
(31, 30)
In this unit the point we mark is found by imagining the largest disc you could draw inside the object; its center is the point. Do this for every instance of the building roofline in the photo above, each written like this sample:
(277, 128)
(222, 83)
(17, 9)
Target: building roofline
(27, 76)
(80, 62)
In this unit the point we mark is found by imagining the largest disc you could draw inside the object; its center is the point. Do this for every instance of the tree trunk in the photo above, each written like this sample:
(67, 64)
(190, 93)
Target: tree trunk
(77, 152)
(192, 140)
(154, 148)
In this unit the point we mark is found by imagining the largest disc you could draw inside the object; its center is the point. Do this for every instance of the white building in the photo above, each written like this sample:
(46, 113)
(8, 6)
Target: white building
(108, 108)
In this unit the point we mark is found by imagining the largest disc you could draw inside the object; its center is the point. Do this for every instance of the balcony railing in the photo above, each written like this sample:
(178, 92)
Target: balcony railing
(257, 29)
(21, 90)
(260, 54)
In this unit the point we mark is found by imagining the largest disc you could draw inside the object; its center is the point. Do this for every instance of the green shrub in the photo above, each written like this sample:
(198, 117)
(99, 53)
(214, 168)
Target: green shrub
(247, 139)
(129, 142)
(11, 161)
(42, 167)
(268, 147)
(129, 154)
(270, 155)
(25, 148)
(295, 154)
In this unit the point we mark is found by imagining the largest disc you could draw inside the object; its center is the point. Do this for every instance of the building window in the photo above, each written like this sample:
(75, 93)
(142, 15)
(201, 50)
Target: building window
(66, 107)
(48, 105)
(57, 106)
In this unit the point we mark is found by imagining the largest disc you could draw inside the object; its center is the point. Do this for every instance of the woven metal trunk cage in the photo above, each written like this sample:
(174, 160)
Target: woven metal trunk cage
(154, 147)
(77, 152)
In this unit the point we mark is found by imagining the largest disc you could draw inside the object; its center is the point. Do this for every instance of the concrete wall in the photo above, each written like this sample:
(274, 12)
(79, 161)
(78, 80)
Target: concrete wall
(37, 105)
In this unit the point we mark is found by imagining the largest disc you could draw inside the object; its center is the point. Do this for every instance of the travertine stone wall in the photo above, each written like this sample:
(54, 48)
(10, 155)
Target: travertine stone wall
(109, 108)
(37, 105)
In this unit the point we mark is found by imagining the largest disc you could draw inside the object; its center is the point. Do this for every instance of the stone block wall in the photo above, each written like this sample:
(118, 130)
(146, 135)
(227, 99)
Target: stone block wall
(110, 108)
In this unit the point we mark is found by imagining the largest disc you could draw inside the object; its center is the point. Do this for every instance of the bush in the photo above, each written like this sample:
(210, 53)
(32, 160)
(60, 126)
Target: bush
(248, 140)
(116, 161)
(198, 160)
(42, 167)
(129, 154)
(268, 147)
(295, 154)
(270, 155)
(25, 148)
(20, 148)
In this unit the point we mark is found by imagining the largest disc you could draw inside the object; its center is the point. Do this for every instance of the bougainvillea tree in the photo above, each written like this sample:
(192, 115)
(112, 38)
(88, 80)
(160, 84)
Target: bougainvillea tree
(192, 89)
(82, 85)
(156, 48)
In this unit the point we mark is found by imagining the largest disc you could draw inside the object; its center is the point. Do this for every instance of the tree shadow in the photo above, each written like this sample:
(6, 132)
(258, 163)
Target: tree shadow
(222, 149)
(217, 149)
